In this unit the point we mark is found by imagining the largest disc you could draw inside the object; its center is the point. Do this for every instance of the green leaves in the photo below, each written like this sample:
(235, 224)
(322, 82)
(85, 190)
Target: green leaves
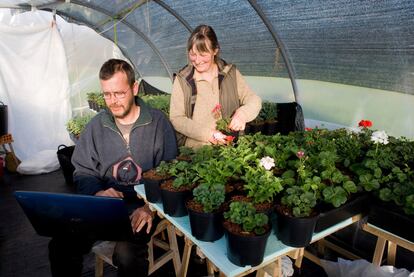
(300, 201)
(160, 102)
(335, 195)
(185, 175)
(261, 185)
(222, 125)
(211, 196)
(268, 111)
(244, 214)
(76, 124)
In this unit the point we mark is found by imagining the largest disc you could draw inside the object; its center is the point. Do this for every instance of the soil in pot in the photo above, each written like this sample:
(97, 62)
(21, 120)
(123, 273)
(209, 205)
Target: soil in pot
(294, 231)
(266, 208)
(173, 199)
(234, 188)
(205, 226)
(329, 215)
(244, 248)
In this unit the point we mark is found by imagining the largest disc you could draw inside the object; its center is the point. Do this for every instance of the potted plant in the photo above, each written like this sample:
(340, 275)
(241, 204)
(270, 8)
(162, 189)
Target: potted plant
(76, 125)
(185, 153)
(205, 208)
(393, 207)
(339, 198)
(296, 214)
(175, 191)
(96, 101)
(205, 211)
(222, 125)
(261, 185)
(160, 102)
(153, 178)
(246, 234)
(296, 217)
(256, 125)
(269, 116)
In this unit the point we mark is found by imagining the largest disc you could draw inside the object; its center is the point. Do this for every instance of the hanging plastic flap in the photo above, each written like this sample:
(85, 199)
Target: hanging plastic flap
(346, 268)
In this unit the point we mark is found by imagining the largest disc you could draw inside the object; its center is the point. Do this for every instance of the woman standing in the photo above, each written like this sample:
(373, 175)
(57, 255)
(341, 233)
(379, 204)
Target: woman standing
(208, 87)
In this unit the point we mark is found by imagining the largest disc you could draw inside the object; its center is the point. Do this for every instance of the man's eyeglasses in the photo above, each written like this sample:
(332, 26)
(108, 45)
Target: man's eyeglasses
(117, 94)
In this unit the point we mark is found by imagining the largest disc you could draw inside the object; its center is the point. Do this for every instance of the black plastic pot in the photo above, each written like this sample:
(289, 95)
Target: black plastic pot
(256, 127)
(3, 119)
(244, 251)
(206, 226)
(152, 190)
(174, 202)
(248, 129)
(328, 218)
(270, 128)
(390, 217)
(64, 155)
(295, 231)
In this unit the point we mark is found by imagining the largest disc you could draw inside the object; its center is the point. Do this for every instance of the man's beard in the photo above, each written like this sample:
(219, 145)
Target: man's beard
(124, 111)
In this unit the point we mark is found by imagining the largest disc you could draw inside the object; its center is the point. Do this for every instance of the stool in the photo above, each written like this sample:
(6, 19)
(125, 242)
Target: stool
(384, 237)
(104, 250)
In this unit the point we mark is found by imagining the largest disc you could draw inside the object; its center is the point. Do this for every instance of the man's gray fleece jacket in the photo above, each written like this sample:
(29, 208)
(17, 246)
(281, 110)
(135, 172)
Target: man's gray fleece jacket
(101, 145)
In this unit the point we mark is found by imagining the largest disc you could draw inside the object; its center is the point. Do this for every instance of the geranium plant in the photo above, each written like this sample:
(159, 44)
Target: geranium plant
(245, 215)
(222, 124)
(302, 187)
(301, 201)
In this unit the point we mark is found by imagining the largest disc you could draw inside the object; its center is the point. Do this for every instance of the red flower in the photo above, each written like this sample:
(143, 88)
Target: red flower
(308, 129)
(229, 138)
(217, 112)
(365, 123)
(217, 109)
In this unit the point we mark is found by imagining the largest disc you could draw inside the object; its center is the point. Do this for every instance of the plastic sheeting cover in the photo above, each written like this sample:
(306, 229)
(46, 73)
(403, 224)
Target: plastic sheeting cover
(34, 83)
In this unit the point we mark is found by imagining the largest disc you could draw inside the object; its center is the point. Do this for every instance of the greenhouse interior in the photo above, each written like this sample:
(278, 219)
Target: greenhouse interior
(304, 166)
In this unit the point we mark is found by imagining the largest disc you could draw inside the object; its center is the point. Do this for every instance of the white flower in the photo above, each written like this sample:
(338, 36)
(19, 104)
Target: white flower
(379, 137)
(267, 162)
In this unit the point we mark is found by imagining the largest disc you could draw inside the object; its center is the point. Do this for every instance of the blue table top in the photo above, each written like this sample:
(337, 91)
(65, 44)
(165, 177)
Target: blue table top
(216, 251)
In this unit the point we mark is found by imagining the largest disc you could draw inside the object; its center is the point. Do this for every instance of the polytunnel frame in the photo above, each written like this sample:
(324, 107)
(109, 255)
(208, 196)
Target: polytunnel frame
(90, 25)
(253, 3)
(133, 28)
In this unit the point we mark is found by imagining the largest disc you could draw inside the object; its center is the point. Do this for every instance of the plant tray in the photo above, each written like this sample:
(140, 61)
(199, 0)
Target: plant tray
(392, 218)
(358, 205)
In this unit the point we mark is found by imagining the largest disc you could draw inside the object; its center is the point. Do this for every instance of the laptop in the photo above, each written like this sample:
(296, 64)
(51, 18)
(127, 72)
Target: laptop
(62, 214)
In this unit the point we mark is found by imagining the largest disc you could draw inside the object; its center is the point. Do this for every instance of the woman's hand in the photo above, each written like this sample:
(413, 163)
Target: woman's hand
(238, 122)
(140, 217)
(217, 137)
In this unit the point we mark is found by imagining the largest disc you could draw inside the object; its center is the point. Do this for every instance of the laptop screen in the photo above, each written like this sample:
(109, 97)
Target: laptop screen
(61, 214)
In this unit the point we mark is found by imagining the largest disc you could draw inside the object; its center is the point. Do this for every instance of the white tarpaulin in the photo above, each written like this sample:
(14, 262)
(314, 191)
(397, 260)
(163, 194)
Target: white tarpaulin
(45, 72)
(34, 83)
